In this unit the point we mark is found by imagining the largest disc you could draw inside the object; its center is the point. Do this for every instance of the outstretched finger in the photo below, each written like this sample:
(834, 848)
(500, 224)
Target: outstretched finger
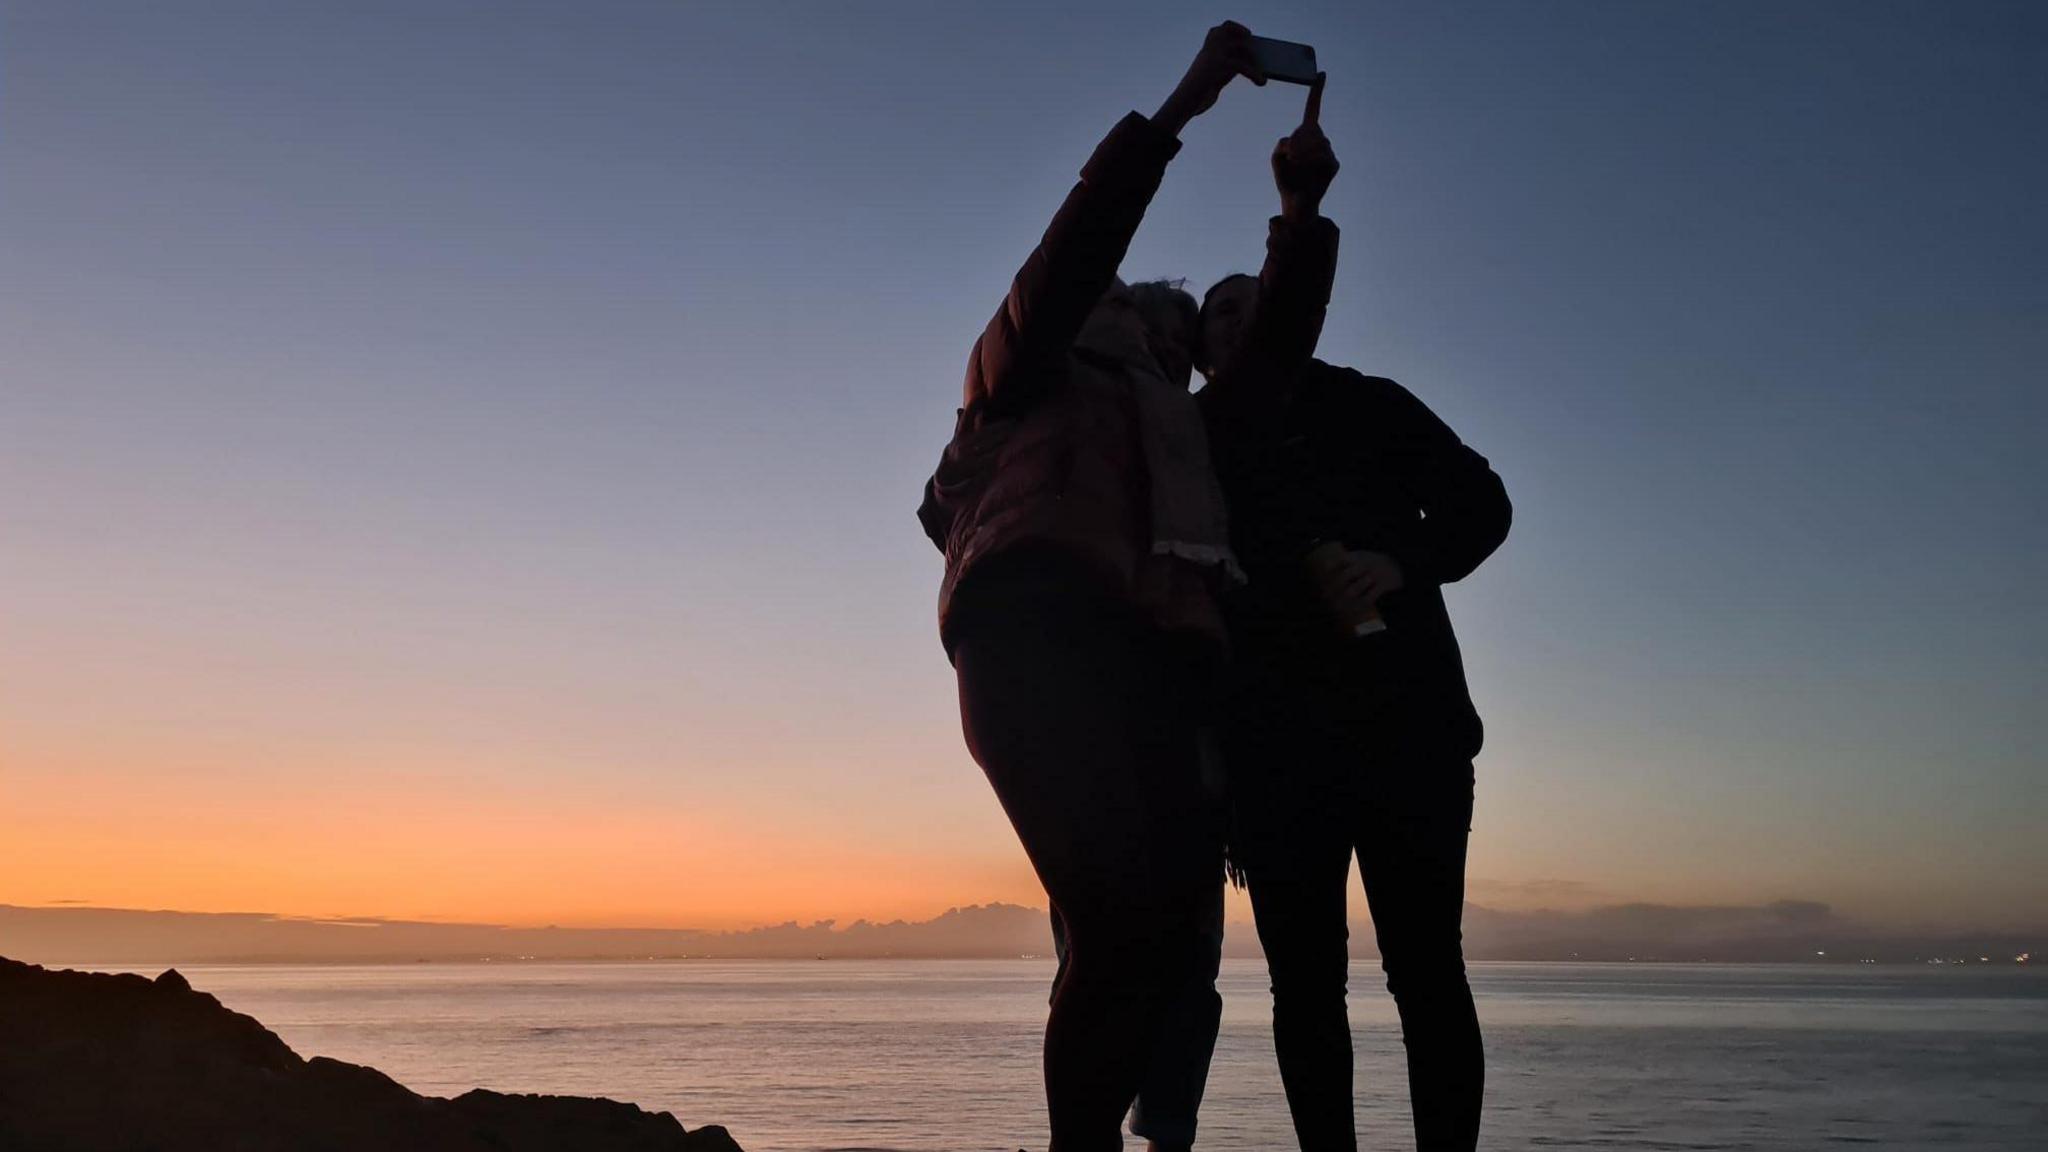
(1314, 111)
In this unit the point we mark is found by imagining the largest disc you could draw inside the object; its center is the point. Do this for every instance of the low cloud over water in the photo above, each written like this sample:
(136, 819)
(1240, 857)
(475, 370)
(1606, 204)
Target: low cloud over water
(1785, 930)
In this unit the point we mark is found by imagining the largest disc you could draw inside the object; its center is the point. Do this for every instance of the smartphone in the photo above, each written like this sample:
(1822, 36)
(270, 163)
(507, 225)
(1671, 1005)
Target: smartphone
(1285, 60)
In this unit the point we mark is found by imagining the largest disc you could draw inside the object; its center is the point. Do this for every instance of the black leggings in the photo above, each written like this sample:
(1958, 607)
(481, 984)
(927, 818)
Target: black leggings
(1408, 824)
(1084, 720)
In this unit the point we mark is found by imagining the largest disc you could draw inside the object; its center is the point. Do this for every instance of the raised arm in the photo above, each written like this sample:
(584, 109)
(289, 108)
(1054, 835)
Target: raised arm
(1294, 283)
(1076, 260)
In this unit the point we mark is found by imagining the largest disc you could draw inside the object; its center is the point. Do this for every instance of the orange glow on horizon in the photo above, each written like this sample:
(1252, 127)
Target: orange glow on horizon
(421, 845)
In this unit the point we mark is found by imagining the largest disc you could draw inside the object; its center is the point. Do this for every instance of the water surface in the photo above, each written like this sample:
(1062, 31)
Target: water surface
(804, 1055)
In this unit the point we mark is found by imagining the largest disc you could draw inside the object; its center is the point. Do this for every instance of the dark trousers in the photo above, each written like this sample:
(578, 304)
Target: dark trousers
(1169, 1099)
(1085, 721)
(1307, 802)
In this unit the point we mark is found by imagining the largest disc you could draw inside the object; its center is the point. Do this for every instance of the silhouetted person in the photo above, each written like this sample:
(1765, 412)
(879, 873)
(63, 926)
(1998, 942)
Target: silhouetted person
(1301, 258)
(1085, 549)
(1338, 742)
(1295, 283)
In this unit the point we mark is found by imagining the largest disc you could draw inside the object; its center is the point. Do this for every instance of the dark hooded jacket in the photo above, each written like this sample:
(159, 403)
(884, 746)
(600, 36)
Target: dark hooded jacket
(1356, 459)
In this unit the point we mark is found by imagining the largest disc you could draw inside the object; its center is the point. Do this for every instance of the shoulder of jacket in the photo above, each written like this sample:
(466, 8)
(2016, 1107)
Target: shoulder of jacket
(1348, 385)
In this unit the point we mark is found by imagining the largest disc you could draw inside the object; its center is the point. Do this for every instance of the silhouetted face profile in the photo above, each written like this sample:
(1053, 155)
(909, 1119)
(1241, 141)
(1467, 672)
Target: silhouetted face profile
(1154, 316)
(1171, 321)
(1226, 317)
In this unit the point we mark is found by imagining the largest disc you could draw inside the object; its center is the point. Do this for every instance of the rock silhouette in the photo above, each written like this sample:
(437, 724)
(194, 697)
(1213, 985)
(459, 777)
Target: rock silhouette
(93, 1061)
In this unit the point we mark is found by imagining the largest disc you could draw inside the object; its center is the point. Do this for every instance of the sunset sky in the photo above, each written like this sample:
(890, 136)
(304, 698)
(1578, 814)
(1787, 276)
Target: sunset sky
(457, 460)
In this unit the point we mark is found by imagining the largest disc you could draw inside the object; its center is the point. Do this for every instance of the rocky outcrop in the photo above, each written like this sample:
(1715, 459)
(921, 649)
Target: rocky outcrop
(92, 1062)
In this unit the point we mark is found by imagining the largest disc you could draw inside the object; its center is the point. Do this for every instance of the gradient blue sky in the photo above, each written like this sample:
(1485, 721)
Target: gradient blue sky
(437, 436)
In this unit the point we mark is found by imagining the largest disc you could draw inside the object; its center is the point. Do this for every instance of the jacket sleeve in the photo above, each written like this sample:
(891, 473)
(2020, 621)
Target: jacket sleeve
(1465, 509)
(1073, 265)
(1294, 297)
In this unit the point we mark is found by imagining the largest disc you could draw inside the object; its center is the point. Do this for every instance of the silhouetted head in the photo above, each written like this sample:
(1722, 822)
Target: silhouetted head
(1156, 317)
(1225, 317)
(1172, 321)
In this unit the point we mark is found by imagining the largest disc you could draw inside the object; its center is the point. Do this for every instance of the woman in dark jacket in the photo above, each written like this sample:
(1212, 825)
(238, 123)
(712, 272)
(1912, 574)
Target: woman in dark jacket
(1086, 548)
(1081, 651)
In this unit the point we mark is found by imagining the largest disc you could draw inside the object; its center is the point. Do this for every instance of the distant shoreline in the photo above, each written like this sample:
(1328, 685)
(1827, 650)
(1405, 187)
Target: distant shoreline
(1784, 932)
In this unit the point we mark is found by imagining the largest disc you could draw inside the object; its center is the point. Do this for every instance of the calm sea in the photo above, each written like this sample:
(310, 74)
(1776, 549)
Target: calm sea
(944, 1054)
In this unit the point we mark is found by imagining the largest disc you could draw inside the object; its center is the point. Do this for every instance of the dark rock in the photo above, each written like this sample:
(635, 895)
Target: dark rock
(92, 1062)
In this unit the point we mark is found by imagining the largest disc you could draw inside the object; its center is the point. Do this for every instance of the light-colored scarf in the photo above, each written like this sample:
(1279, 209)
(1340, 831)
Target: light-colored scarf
(1188, 517)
